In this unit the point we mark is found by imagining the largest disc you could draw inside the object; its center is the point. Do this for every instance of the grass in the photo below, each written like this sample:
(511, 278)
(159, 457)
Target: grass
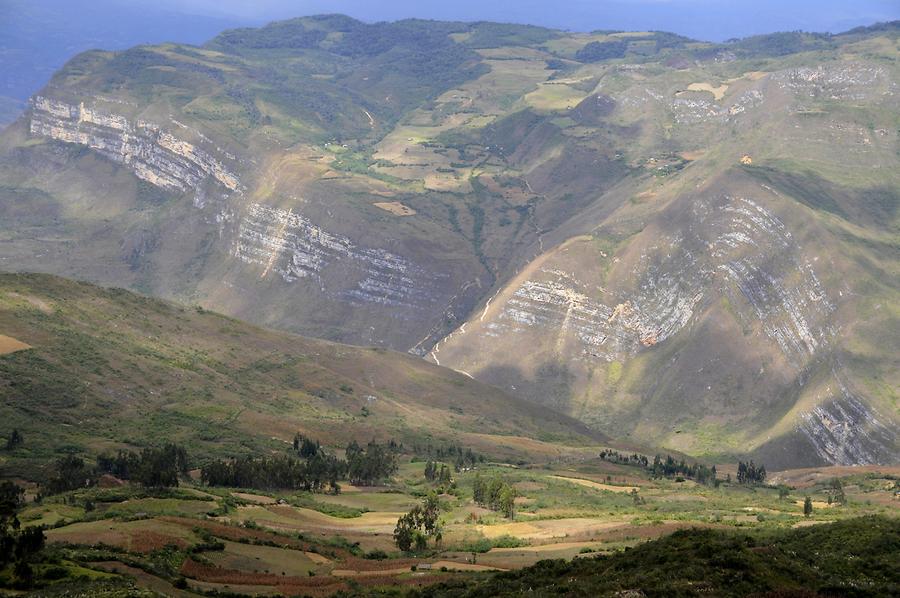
(109, 369)
(737, 536)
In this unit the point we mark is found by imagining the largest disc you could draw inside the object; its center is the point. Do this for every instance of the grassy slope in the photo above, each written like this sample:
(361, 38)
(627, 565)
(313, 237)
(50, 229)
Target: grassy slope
(110, 368)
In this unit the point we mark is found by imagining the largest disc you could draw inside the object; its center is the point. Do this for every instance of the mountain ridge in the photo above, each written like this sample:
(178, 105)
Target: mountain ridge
(391, 183)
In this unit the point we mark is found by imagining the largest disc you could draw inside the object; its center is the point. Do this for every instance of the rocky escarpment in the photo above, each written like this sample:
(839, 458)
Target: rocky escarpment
(730, 248)
(286, 243)
(842, 429)
(152, 153)
(731, 240)
(311, 263)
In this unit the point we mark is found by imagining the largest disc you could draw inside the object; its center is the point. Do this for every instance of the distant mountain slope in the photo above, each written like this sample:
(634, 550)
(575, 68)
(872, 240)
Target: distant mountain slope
(107, 368)
(676, 242)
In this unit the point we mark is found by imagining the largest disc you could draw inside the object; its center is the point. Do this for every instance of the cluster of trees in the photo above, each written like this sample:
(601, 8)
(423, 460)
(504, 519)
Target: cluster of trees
(414, 528)
(597, 51)
(371, 465)
(750, 473)
(306, 447)
(282, 472)
(663, 468)
(671, 468)
(151, 468)
(70, 473)
(17, 546)
(623, 458)
(495, 494)
(781, 44)
(310, 468)
(462, 459)
(441, 474)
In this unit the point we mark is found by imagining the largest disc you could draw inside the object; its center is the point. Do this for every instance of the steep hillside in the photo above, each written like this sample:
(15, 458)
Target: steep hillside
(682, 243)
(741, 295)
(87, 369)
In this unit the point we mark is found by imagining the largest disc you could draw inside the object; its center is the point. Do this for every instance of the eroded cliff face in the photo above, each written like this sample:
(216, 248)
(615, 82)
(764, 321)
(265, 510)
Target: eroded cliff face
(842, 429)
(584, 314)
(257, 242)
(287, 243)
(152, 153)
(729, 240)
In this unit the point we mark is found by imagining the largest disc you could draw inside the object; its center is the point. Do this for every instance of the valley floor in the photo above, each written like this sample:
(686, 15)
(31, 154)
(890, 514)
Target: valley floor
(197, 539)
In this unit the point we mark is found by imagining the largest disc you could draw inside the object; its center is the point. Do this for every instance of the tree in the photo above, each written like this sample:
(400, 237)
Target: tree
(478, 490)
(507, 501)
(308, 448)
(11, 500)
(159, 468)
(749, 473)
(419, 524)
(15, 439)
(70, 474)
(807, 507)
(403, 532)
(492, 493)
(836, 494)
(17, 545)
(371, 465)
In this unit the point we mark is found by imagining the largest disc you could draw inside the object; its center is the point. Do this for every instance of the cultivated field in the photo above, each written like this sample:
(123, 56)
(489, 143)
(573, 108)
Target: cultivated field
(256, 542)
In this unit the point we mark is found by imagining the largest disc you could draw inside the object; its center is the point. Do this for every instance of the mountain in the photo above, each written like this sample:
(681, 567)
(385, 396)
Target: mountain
(85, 369)
(679, 243)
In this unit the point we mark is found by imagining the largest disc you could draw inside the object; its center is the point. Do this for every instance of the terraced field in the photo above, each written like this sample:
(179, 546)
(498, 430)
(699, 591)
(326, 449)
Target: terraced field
(255, 543)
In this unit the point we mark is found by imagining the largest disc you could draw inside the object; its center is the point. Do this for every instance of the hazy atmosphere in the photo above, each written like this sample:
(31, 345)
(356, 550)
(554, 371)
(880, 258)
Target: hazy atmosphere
(713, 20)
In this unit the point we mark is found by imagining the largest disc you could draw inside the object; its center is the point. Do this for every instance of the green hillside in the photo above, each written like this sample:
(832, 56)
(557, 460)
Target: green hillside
(108, 369)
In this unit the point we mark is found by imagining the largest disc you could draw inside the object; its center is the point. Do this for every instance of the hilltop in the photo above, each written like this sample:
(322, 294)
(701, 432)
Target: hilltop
(675, 242)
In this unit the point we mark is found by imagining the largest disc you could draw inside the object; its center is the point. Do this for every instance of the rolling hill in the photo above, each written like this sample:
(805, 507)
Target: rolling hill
(680, 243)
(87, 370)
